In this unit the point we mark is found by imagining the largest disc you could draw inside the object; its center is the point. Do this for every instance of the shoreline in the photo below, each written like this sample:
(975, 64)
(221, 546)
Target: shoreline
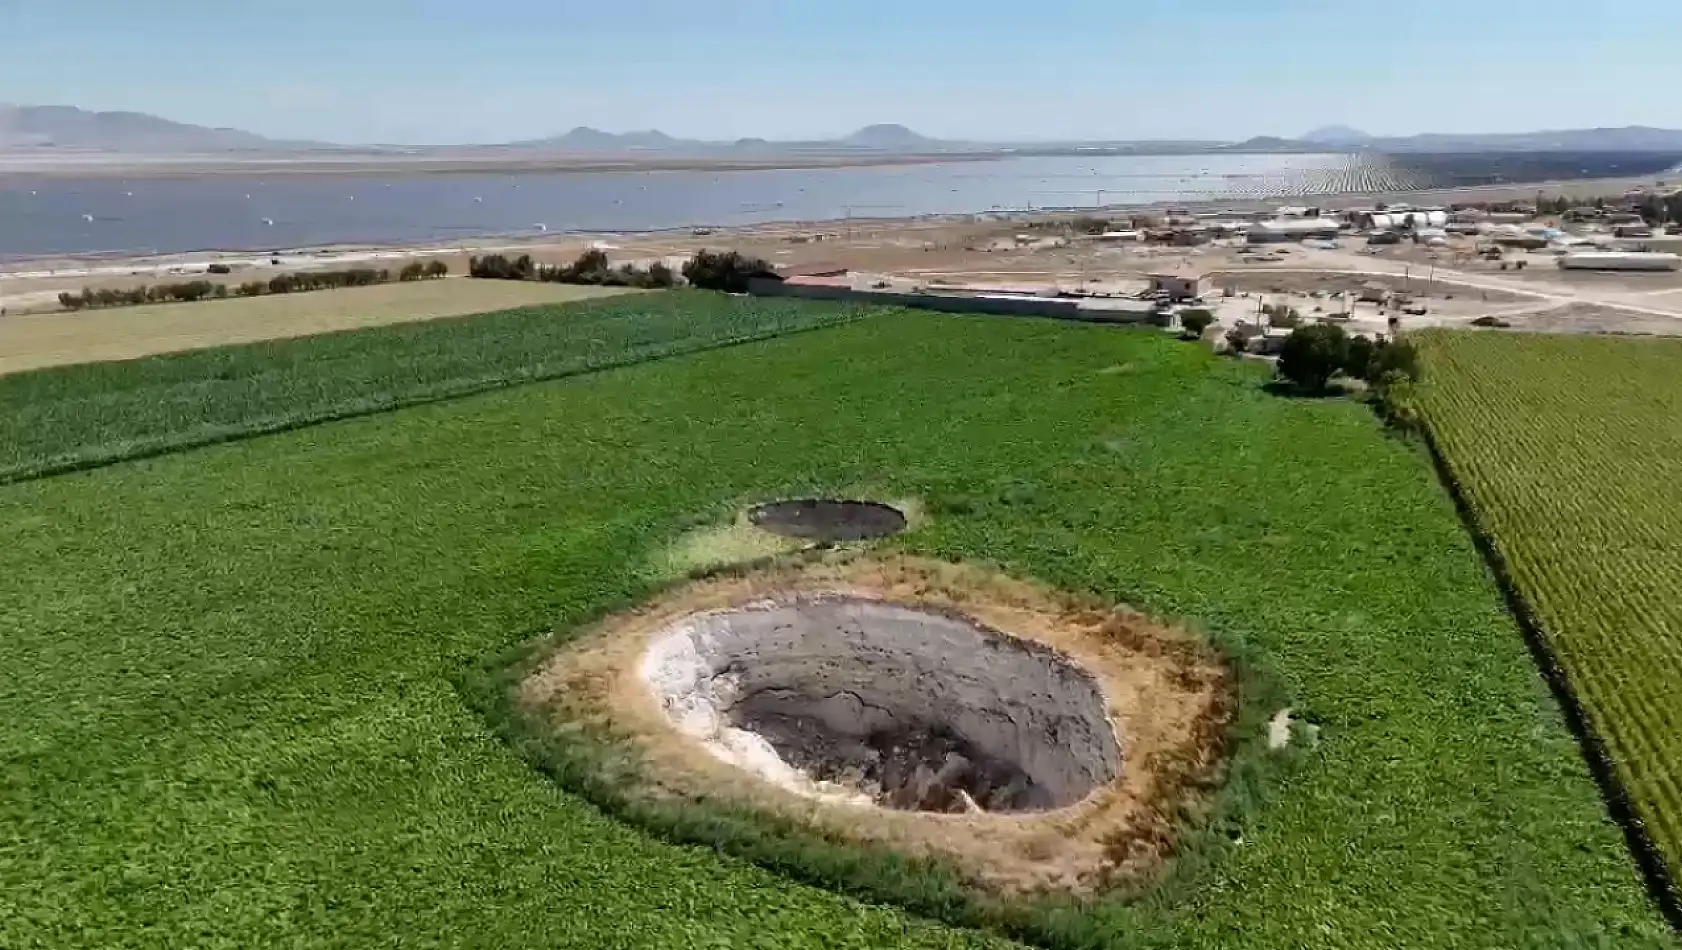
(109, 265)
(144, 168)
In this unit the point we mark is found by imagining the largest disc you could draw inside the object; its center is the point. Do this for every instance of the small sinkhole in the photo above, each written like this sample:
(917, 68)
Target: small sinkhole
(828, 520)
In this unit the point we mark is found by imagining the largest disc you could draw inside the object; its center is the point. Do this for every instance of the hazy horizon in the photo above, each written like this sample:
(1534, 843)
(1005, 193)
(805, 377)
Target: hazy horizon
(436, 72)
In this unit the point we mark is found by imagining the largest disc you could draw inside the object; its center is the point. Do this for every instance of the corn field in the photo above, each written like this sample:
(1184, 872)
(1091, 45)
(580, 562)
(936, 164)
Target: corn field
(1568, 449)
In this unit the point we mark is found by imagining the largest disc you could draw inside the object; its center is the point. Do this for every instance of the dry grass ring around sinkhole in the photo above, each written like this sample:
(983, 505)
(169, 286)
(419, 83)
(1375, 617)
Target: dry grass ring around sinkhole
(1165, 694)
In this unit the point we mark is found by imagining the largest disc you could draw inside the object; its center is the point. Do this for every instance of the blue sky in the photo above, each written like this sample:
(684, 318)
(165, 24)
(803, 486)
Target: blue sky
(440, 71)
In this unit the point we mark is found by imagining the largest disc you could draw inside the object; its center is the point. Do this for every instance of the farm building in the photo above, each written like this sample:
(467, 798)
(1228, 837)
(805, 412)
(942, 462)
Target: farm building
(1293, 229)
(1384, 220)
(1620, 260)
(1373, 292)
(1181, 284)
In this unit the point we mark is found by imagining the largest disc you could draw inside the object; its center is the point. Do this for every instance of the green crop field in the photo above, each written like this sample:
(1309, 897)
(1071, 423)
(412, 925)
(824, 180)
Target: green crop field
(74, 416)
(1568, 449)
(234, 710)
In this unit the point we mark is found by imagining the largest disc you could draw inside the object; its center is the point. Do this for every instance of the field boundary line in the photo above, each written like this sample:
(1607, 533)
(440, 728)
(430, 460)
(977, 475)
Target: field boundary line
(446, 393)
(1661, 884)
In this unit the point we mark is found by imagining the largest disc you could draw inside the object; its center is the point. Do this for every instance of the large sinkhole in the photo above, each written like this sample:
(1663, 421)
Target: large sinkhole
(906, 708)
(828, 520)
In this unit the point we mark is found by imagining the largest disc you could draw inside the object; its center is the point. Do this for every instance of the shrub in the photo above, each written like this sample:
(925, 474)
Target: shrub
(251, 288)
(1394, 360)
(1490, 322)
(1358, 362)
(660, 276)
(414, 270)
(728, 271)
(70, 301)
(1312, 355)
(1196, 321)
(436, 269)
(498, 267)
(221, 292)
(1237, 341)
(590, 268)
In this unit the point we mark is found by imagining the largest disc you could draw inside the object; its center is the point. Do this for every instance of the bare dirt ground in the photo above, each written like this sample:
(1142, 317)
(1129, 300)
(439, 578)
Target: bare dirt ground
(1167, 696)
(32, 341)
(1589, 318)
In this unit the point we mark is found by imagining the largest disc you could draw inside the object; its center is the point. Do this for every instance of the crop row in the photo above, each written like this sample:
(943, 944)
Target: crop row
(73, 417)
(1567, 450)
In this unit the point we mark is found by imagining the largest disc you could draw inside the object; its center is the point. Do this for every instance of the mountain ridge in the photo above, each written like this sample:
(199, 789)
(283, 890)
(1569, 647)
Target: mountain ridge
(69, 127)
(56, 126)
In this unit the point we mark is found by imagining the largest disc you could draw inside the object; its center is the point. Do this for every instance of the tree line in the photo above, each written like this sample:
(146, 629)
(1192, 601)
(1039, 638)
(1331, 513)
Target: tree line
(590, 268)
(195, 290)
(727, 271)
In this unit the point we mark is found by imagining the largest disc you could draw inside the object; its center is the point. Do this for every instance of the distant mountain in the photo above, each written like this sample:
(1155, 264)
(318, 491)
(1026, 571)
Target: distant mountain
(1336, 135)
(887, 137)
(1270, 143)
(70, 127)
(1628, 139)
(586, 139)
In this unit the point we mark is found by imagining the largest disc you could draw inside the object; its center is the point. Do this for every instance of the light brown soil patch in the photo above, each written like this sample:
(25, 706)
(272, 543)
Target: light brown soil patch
(1168, 695)
(1419, 285)
(32, 341)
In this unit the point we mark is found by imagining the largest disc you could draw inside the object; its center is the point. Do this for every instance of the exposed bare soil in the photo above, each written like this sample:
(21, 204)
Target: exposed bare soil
(1168, 697)
(32, 341)
(1330, 282)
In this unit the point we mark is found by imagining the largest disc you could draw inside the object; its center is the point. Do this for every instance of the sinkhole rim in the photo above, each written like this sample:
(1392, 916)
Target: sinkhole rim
(1174, 698)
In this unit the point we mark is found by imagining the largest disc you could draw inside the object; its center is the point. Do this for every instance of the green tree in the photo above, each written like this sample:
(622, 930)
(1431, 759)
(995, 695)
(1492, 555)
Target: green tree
(1312, 355)
(660, 276)
(729, 271)
(1195, 321)
(1394, 360)
(1359, 361)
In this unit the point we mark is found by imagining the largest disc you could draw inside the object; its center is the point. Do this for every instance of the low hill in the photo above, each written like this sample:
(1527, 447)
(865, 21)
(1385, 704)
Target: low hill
(70, 127)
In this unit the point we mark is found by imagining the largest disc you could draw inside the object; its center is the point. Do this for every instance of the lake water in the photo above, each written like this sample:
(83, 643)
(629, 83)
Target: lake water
(42, 217)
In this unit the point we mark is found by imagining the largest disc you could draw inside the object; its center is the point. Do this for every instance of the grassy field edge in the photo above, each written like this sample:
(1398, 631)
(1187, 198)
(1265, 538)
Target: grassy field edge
(603, 770)
(1662, 886)
(451, 389)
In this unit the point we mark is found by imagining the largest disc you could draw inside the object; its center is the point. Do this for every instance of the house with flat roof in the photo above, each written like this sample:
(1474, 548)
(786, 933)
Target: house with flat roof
(1182, 283)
